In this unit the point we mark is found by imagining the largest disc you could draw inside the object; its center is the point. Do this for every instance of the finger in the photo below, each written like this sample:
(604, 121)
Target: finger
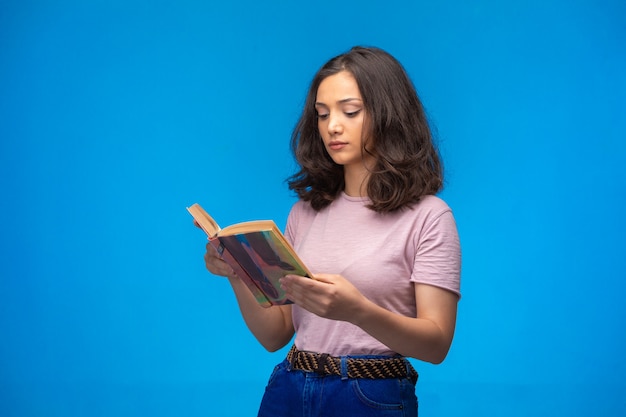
(291, 286)
(298, 283)
(326, 278)
(215, 264)
(305, 298)
(212, 250)
(303, 291)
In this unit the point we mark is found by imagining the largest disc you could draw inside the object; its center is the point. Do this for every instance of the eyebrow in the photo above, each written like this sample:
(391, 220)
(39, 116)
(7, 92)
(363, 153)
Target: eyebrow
(342, 101)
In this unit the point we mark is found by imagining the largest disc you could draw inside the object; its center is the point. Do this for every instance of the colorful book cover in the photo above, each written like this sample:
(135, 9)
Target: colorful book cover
(262, 261)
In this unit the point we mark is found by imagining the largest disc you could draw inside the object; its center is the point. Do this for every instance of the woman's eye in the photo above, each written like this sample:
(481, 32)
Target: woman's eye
(322, 116)
(353, 113)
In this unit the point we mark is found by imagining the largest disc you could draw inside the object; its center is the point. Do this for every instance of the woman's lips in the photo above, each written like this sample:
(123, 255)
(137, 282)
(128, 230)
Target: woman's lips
(336, 145)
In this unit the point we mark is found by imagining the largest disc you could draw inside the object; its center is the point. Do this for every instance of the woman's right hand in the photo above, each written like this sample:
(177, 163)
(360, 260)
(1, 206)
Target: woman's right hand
(215, 264)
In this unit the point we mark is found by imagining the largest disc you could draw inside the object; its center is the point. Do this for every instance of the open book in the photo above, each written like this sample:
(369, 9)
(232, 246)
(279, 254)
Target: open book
(258, 253)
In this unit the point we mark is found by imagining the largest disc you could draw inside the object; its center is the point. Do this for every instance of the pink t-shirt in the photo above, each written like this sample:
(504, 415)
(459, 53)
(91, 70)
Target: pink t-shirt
(381, 254)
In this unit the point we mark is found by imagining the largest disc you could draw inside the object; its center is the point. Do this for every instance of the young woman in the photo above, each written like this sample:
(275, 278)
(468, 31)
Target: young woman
(383, 248)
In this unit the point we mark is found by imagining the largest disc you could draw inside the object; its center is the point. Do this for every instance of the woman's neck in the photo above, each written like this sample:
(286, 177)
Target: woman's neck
(355, 179)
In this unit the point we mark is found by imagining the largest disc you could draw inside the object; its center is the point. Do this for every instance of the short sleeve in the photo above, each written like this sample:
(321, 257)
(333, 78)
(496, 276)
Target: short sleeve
(438, 254)
(291, 224)
(293, 220)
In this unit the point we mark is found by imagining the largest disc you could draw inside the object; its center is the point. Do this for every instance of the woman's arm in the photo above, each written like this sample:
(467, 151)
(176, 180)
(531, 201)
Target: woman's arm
(426, 337)
(271, 326)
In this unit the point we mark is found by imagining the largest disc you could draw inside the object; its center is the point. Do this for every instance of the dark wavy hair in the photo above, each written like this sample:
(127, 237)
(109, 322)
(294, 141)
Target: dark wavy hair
(407, 164)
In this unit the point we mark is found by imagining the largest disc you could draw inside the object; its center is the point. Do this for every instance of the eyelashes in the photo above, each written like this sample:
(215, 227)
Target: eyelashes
(351, 114)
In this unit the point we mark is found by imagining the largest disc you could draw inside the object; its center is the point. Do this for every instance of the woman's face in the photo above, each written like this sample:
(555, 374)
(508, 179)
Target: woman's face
(340, 118)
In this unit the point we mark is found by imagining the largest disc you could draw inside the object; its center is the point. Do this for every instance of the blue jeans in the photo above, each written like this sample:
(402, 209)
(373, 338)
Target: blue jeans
(295, 393)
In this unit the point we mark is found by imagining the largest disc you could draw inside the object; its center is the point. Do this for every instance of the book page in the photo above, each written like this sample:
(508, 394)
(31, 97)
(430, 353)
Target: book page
(248, 227)
(203, 219)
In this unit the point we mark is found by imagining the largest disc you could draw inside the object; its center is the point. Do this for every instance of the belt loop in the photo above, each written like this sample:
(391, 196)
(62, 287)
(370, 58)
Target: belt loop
(344, 368)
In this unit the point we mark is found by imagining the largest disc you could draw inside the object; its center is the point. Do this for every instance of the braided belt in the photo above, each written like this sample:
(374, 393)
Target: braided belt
(323, 364)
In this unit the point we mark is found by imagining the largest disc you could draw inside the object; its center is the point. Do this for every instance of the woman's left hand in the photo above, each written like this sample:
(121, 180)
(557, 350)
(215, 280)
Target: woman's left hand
(327, 295)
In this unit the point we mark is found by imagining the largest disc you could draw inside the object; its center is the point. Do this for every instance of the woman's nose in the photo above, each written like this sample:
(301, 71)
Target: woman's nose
(334, 125)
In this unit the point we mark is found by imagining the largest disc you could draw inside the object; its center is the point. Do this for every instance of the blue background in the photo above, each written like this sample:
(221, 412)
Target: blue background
(116, 115)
